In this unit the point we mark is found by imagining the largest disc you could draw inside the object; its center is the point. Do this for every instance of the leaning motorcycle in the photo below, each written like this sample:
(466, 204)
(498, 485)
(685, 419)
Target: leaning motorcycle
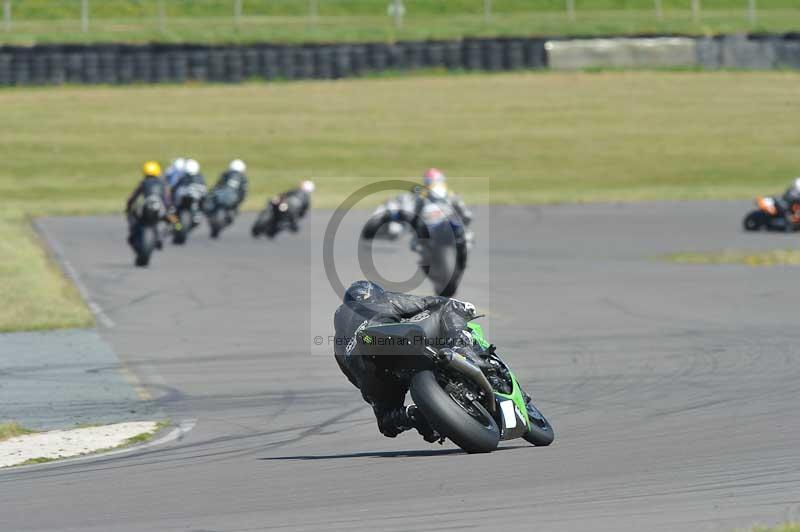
(443, 246)
(386, 222)
(772, 215)
(473, 400)
(219, 207)
(148, 212)
(273, 219)
(188, 201)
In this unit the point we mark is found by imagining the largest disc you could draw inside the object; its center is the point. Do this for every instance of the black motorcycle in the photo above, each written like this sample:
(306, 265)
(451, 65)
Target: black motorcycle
(148, 212)
(475, 401)
(443, 248)
(276, 217)
(188, 200)
(773, 214)
(220, 208)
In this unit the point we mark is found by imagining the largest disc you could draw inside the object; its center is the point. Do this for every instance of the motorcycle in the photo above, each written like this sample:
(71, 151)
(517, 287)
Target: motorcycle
(274, 218)
(188, 201)
(771, 215)
(386, 222)
(474, 401)
(144, 238)
(220, 209)
(443, 247)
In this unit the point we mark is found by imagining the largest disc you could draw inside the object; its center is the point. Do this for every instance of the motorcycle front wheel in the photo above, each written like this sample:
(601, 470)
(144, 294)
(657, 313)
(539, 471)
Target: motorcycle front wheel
(259, 226)
(466, 423)
(540, 431)
(755, 221)
(372, 226)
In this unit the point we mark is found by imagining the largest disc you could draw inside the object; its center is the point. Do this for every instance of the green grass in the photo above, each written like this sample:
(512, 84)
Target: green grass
(777, 257)
(39, 460)
(787, 527)
(145, 436)
(359, 20)
(12, 430)
(540, 137)
(34, 294)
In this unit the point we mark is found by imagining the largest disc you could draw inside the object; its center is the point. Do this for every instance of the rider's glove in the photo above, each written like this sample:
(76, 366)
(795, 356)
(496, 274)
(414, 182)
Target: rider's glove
(465, 308)
(464, 339)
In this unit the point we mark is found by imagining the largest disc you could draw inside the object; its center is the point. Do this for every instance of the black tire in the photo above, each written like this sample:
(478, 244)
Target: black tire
(182, 234)
(147, 242)
(215, 224)
(259, 226)
(372, 226)
(451, 419)
(755, 221)
(540, 432)
(271, 229)
(452, 285)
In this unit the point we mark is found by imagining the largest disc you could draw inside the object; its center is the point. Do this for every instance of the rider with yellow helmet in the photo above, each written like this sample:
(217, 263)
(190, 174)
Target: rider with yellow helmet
(151, 186)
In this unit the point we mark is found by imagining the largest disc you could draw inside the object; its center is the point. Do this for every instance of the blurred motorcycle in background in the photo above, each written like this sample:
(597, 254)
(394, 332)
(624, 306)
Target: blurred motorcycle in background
(773, 214)
(187, 202)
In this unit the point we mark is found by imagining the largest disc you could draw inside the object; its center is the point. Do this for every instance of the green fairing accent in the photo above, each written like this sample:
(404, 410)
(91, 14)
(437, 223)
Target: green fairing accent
(516, 391)
(477, 334)
(516, 396)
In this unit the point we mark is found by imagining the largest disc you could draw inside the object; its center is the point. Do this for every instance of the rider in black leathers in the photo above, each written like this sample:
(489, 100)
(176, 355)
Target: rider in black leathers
(791, 198)
(235, 178)
(151, 185)
(435, 191)
(366, 304)
(298, 200)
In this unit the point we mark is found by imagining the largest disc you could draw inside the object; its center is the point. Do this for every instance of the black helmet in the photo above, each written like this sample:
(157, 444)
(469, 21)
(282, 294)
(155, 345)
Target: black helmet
(363, 292)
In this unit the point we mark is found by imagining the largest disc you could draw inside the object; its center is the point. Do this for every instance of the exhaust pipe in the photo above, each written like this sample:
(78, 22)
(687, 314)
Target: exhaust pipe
(461, 364)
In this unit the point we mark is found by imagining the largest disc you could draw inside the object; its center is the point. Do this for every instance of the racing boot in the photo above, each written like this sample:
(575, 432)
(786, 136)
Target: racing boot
(400, 419)
(421, 424)
(393, 421)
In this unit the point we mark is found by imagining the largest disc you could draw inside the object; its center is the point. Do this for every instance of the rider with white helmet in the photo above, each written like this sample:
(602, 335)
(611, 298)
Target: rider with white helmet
(792, 194)
(297, 202)
(791, 202)
(175, 171)
(307, 186)
(303, 195)
(192, 167)
(191, 179)
(235, 178)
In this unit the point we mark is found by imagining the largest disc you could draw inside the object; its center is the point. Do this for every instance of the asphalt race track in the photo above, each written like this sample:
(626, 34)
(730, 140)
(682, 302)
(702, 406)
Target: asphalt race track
(673, 389)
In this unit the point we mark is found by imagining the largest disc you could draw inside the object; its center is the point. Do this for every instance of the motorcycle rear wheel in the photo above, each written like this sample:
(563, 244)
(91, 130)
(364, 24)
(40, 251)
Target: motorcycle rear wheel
(146, 244)
(475, 431)
(259, 226)
(182, 234)
(215, 223)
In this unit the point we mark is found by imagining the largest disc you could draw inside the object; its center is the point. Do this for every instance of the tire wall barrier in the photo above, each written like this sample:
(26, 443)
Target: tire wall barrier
(162, 63)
